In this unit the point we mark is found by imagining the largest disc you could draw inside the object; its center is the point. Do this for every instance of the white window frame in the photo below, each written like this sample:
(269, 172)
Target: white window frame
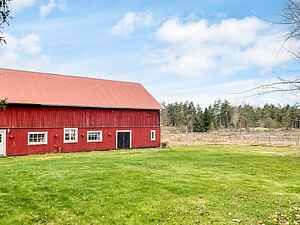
(37, 143)
(94, 131)
(70, 141)
(4, 142)
(153, 135)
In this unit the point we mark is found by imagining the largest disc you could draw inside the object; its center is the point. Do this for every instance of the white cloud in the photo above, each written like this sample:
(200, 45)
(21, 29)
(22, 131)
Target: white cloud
(23, 53)
(132, 21)
(197, 48)
(205, 95)
(52, 5)
(30, 44)
(18, 5)
(230, 31)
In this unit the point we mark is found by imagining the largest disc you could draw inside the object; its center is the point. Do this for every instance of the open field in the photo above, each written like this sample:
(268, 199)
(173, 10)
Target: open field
(192, 185)
(177, 137)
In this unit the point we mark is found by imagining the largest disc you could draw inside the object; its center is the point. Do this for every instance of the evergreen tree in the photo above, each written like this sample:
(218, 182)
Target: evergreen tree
(207, 119)
(198, 125)
(222, 115)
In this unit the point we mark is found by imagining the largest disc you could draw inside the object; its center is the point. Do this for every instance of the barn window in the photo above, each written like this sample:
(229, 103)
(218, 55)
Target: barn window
(37, 138)
(70, 135)
(153, 135)
(94, 136)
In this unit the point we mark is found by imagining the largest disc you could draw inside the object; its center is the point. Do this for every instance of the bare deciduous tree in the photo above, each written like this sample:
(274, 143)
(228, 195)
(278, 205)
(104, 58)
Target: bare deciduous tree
(291, 20)
(281, 86)
(4, 21)
(4, 16)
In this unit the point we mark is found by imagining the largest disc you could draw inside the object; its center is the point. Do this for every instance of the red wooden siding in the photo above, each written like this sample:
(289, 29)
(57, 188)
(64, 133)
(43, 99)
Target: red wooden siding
(17, 140)
(62, 117)
(19, 120)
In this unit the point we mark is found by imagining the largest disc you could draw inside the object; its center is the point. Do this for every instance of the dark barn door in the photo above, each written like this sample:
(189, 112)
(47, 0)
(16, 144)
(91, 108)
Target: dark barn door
(123, 140)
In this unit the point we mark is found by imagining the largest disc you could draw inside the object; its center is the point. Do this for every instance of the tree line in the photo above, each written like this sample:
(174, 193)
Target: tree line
(224, 115)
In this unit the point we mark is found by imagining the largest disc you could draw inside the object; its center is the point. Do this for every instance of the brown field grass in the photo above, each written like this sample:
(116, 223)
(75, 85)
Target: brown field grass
(263, 137)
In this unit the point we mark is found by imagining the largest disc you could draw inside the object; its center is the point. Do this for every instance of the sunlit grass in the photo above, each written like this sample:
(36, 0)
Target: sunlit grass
(184, 185)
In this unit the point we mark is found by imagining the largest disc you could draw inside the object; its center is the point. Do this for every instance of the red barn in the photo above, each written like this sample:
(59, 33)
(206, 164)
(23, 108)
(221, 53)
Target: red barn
(49, 113)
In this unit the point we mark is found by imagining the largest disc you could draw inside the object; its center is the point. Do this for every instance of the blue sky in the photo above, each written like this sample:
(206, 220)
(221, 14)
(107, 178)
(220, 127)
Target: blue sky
(180, 50)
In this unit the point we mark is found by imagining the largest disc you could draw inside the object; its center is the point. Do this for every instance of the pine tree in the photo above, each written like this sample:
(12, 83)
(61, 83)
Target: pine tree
(206, 120)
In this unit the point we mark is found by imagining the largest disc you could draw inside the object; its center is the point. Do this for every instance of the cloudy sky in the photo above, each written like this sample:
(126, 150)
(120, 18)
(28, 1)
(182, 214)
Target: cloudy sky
(180, 50)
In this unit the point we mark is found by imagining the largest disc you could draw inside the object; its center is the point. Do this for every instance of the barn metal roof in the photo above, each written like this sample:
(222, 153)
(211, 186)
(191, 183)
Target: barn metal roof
(23, 87)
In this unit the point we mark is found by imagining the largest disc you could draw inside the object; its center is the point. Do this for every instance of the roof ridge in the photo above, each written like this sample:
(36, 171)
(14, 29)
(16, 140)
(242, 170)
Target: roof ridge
(69, 76)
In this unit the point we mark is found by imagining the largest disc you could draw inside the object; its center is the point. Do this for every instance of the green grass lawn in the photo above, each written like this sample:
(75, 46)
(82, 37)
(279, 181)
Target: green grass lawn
(184, 185)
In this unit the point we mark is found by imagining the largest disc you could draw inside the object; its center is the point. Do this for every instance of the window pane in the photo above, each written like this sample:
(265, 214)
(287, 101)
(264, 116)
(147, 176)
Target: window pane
(67, 136)
(73, 135)
(153, 135)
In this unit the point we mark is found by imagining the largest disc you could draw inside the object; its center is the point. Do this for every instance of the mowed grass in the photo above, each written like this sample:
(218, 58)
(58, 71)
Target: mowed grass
(184, 185)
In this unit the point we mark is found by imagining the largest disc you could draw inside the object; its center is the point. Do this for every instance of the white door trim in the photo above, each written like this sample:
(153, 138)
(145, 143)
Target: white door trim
(4, 142)
(120, 131)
